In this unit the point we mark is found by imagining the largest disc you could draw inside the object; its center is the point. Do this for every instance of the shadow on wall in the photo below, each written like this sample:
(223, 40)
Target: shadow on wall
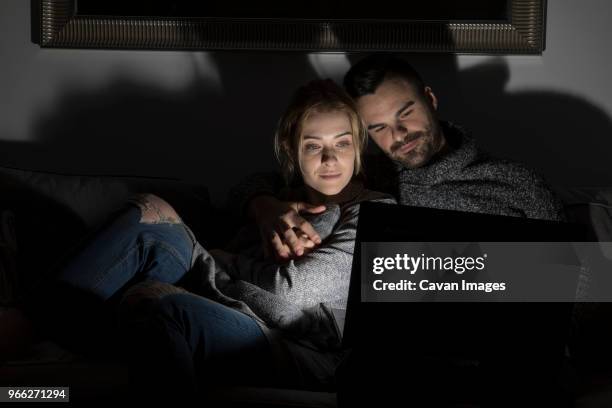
(216, 137)
(198, 133)
(565, 138)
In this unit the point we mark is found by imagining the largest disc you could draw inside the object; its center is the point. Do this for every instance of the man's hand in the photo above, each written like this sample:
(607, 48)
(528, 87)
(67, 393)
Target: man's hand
(284, 233)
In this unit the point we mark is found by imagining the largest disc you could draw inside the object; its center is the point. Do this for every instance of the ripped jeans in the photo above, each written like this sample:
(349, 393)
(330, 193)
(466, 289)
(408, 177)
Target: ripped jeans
(137, 244)
(185, 340)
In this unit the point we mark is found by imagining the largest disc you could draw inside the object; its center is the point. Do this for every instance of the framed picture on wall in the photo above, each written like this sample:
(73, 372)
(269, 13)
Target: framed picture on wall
(467, 26)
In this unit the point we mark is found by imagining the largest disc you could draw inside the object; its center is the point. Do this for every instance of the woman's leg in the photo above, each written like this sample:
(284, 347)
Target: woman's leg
(147, 240)
(187, 342)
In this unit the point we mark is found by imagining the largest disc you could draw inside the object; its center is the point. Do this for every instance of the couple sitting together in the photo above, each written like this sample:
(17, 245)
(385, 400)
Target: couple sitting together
(262, 311)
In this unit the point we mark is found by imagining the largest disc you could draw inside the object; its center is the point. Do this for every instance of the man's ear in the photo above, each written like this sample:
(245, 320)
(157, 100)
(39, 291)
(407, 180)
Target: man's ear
(431, 98)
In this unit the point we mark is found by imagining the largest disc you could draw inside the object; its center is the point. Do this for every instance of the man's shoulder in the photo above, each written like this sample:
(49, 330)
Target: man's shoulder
(526, 187)
(488, 165)
(521, 188)
(473, 161)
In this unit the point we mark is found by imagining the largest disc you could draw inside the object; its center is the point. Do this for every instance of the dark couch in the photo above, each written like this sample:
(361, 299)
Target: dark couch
(43, 218)
(49, 214)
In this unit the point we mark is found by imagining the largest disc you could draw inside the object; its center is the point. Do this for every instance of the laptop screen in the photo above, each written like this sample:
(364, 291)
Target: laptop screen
(473, 328)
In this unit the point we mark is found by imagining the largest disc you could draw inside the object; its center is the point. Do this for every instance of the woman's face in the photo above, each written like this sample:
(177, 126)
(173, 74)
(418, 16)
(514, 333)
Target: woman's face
(327, 153)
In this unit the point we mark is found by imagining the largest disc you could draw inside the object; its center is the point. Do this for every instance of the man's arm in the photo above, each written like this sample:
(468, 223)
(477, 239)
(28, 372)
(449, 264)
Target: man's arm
(544, 204)
(323, 275)
(534, 196)
(283, 231)
(319, 276)
(255, 185)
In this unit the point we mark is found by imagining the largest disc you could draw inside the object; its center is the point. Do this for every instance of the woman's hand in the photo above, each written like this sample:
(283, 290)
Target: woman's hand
(284, 233)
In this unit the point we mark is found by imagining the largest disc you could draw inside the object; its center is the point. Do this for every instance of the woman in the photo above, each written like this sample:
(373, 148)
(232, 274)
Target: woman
(247, 318)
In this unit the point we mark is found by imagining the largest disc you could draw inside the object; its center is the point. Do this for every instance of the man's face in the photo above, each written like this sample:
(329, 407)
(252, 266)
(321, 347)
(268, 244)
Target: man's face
(402, 122)
(327, 156)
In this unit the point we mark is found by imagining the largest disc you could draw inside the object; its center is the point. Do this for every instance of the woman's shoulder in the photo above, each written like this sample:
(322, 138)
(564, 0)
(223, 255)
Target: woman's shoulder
(371, 195)
(350, 210)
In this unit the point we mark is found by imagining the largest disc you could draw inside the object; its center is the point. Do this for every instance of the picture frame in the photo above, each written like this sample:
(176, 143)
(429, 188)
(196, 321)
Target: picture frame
(58, 24)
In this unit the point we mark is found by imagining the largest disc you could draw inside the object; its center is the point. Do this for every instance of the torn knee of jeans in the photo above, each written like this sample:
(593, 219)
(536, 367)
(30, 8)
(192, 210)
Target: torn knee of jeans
(155, 210)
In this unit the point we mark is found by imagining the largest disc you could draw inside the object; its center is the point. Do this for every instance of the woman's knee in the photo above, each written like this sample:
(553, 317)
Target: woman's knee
(155, 210)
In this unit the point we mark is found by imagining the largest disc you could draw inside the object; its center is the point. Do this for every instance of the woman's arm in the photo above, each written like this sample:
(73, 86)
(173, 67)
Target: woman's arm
(321, 275)
(257, 197)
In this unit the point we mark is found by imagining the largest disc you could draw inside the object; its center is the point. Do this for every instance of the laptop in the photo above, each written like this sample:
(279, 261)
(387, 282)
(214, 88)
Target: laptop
(497, 345)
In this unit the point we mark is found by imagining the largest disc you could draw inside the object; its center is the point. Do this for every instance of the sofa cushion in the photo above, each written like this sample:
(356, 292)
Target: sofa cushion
(55, 211)
(8, 258)
(592, 332)
(17, 334)
(591, 207)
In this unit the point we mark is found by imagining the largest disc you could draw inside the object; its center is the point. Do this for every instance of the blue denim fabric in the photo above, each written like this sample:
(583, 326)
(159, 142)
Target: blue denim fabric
(188, 342)
(126, 250)
(183, 339)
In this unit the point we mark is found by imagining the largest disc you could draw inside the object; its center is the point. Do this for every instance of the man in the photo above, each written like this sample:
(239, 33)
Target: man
(424, 162)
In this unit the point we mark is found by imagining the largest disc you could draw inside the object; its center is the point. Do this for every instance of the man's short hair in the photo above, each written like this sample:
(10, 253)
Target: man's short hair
(366, 76)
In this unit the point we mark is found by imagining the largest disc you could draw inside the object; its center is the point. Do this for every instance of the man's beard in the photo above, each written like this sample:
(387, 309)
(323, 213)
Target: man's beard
(421, 153)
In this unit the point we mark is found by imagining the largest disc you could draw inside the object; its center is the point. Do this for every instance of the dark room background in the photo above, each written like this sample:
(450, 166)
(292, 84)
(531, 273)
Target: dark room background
(209, 116)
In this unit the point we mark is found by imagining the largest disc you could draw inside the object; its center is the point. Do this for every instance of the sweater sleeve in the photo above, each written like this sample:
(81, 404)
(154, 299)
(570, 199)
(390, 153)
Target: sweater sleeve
(534, 196)
(322, 275)
(263, 183)
(544, 202)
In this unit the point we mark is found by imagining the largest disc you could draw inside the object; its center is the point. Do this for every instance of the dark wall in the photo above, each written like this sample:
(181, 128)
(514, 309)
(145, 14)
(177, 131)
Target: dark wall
(210, 117)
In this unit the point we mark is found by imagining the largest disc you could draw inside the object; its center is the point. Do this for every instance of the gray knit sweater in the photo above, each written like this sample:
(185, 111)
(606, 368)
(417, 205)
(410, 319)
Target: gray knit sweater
(466, 179)
(292, 301)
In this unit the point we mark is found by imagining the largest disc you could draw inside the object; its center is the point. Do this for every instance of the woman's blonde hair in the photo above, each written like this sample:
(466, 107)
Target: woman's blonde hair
(318, 96)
